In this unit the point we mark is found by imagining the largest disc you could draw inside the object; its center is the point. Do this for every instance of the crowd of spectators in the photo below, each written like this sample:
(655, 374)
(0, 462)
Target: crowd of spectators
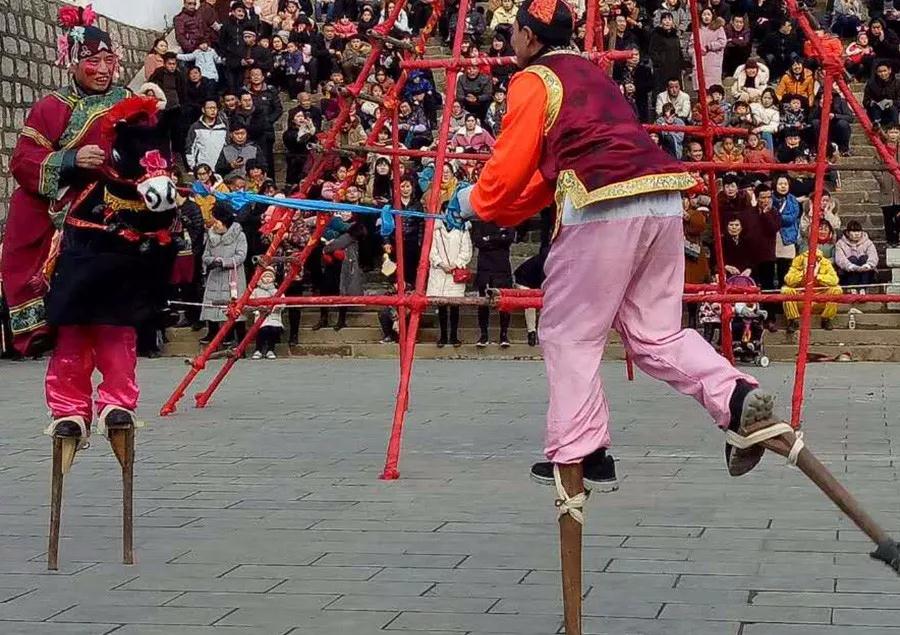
(240, 64)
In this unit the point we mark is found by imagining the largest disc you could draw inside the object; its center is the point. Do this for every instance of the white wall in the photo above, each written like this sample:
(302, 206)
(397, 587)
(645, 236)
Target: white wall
(148, 14)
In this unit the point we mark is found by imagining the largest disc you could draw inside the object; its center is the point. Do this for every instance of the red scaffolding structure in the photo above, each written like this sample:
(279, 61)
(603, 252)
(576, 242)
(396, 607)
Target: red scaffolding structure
(411, 305)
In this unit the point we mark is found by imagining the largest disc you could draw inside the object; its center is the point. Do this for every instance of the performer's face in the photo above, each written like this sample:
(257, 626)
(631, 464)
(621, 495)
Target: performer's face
(94, 74)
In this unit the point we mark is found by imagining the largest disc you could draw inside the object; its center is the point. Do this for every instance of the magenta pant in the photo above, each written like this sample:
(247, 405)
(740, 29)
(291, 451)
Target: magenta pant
(79, 350)
(628, 275)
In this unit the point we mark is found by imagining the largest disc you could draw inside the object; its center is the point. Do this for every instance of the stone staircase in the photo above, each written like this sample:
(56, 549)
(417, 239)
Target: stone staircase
(876, 336)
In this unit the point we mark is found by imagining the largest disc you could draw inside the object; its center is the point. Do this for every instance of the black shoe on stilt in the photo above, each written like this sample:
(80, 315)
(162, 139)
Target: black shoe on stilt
(532, 338)
(751, 410)
(599, 472)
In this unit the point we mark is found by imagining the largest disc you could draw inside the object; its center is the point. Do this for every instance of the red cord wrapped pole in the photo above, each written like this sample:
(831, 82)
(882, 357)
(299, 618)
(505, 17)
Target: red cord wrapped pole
(812, 260)
(399, 247)
(433, 206)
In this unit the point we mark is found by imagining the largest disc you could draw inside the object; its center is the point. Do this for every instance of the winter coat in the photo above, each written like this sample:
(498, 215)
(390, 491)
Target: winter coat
(205, 143)
(352, 282)
(681, 103)
(887, 184)
(696, 267)
(493, 243)
(750, 94)
(877, 90)
(191, 218)
(664, 50)
(680, 14)
(826, 277)
(268, 103)
(231, 152)
(712, 46)
(844, 250)
(480, 139)
(231, 249)
(788, 209)
(190, 30)
(767, 118)
(274, 318)
(830, 214)
(805, 86)
(451, 249)
(204, 60)
(480, 86)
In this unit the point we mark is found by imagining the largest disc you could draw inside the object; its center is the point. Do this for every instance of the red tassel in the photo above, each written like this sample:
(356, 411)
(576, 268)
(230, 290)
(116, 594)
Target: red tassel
(543, 10)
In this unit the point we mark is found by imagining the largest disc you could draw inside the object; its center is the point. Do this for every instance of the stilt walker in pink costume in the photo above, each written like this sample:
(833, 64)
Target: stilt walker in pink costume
(88, 247)
(617, 259)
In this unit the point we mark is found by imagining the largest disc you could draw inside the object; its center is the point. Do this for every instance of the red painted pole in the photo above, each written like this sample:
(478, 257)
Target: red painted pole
(392, 459)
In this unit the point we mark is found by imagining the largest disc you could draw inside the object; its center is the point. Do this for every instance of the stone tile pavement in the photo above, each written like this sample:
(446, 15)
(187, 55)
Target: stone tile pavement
(263, 513)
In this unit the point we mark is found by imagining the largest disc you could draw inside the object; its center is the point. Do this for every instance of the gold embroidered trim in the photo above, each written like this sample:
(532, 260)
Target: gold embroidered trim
(37, 137)
(118, 204)
(568, 184)
(554, 93)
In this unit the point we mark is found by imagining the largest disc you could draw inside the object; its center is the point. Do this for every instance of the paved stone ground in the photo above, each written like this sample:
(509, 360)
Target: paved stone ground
(263, 513)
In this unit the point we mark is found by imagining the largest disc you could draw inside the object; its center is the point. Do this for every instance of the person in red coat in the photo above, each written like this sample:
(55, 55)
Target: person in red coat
(617, 259)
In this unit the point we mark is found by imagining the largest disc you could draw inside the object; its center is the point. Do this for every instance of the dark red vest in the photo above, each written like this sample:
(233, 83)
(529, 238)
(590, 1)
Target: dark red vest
(595, 148)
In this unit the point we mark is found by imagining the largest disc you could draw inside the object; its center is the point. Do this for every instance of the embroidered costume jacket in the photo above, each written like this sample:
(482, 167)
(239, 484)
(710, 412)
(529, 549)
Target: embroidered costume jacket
(43, 165)
(568, 132)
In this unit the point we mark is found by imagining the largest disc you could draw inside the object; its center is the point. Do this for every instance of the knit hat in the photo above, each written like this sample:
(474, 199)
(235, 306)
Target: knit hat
(80, 38)
(550, 20)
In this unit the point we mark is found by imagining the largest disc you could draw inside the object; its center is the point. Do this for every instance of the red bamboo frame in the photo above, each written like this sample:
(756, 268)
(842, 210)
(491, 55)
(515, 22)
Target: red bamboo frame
(410, 306)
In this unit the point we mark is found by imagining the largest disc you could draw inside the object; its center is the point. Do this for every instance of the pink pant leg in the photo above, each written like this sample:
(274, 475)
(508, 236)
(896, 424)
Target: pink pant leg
(587, 273)
(68, 381)
(115, 351)
(650, 323)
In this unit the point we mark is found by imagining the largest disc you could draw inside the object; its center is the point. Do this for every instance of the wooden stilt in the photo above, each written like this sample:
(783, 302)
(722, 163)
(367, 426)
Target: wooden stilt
(122, 442)
(63, 455)
(570, 551)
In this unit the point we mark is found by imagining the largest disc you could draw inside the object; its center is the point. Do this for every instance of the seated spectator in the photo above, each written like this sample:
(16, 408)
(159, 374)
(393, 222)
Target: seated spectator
(826, 279)
(368, 19)
(755, 151)
(354, 57)
(841, 118)
(847, 17)
(344, 28)
(504, 16)
(154, 59)
(679, 99)
(798, 80)
(767, 117)
(474, 91)
(474, 24)
(500, 47)
(206, 137)
(415, 129)
(496, 111)
(665, 53)
(739, 43)
(856, 258)
(750, 80)
(671, 142)
(793, 115)
(793, 147)
(738, 250)
(741, 117)
(401, 24)
(859, 56)
(472, 135)
(780, 48)
(237, 152)
(830, 45)
(885, 43)
(727, 151)
(881, 96)
(718, 109)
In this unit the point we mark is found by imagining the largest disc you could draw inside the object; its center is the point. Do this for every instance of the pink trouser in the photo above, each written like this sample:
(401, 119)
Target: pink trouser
(628, 275)
(79, 350)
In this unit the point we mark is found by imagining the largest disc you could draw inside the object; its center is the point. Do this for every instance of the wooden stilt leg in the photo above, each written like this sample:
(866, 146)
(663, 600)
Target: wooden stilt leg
(122, 442)
(63, 455)
(570, 551)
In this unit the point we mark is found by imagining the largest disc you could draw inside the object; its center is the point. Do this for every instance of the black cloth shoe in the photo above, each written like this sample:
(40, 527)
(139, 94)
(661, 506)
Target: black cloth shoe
(504, 342)
(455, 343)
(483, 341)
(599, 472)
(532, 338)
(750, 408)
(827, 325)
(320, 325)
(441, 343)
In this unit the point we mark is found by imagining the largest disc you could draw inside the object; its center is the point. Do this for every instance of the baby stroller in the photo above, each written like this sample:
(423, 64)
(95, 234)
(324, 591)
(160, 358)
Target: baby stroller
(747, 327)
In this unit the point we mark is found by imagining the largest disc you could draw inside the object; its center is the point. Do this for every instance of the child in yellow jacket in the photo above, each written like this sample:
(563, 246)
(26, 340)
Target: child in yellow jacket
(826, 282)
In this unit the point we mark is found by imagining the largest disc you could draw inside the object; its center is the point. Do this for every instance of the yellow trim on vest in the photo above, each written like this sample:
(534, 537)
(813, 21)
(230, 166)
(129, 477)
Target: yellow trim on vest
(37, 137)
(554, 93)
(568, 184)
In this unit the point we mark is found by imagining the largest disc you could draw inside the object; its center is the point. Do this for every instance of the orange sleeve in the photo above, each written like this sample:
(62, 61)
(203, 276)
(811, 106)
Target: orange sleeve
(510, 188)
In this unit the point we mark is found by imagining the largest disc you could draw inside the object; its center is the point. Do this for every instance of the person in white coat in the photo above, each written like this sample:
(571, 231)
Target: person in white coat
(272, 326)
(451, 251)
